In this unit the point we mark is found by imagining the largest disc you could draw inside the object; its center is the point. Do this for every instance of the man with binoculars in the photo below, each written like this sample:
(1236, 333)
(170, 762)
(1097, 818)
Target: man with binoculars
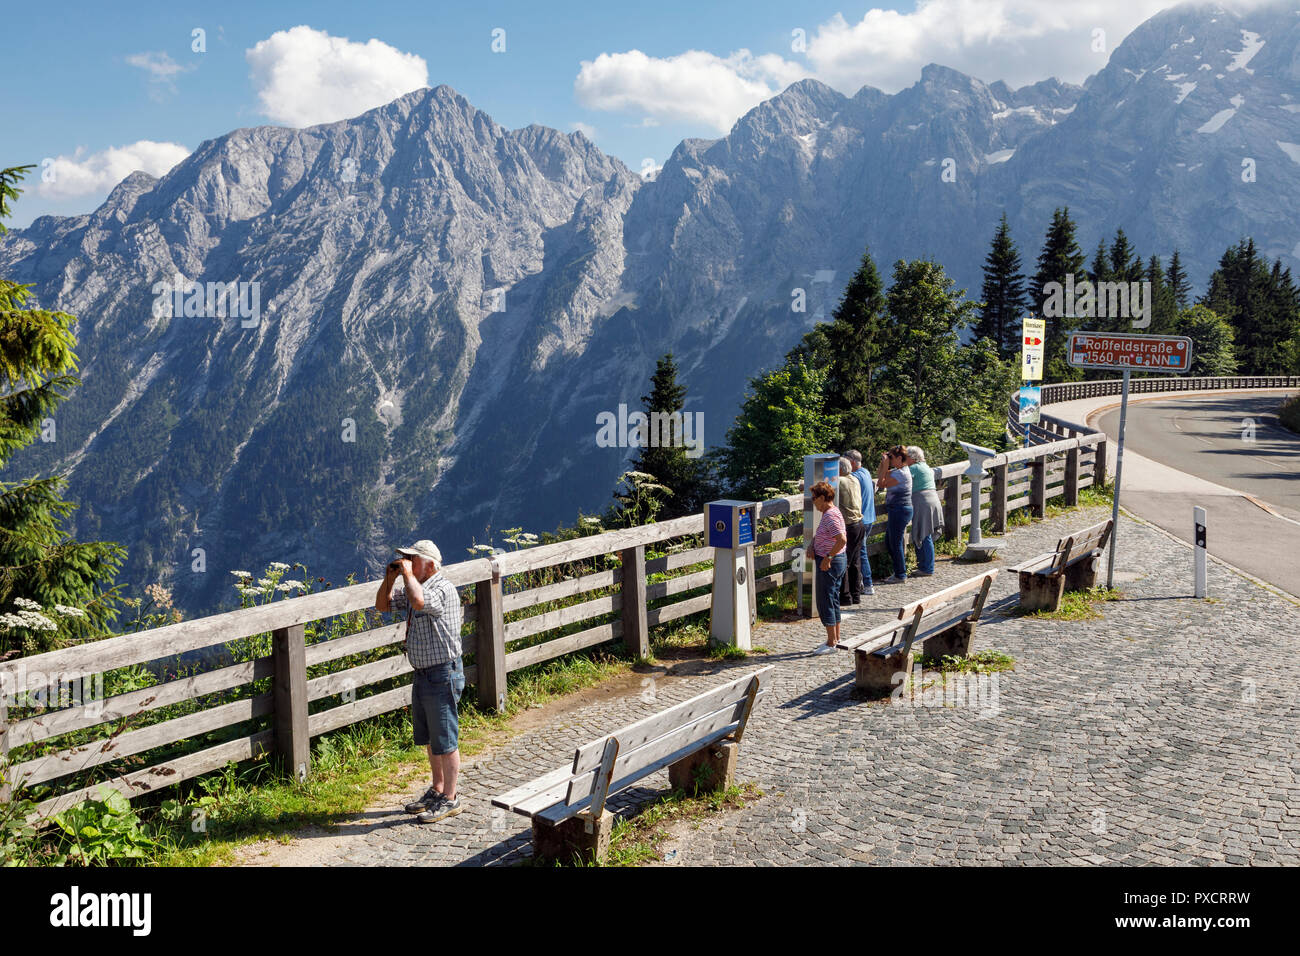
(433, 619)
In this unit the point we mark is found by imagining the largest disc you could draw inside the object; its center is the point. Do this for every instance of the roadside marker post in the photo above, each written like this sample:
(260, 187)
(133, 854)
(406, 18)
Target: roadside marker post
(1121, 352)
(1198, 529)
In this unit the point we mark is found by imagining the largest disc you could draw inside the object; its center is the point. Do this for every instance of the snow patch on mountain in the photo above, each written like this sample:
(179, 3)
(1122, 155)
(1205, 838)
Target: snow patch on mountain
(1251, 44)
(1215, 122)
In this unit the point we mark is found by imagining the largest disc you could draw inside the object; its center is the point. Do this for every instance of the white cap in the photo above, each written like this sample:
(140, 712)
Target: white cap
(423, 549)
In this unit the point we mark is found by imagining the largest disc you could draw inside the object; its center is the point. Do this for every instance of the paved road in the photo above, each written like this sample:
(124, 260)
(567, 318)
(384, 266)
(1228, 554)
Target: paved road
(1227, 453)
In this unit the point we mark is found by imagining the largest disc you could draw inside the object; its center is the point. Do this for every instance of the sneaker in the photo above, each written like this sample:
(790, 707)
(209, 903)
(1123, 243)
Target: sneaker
(823, 649)
(868, 591)
(440, 810)
(430, 797)
(894, 579)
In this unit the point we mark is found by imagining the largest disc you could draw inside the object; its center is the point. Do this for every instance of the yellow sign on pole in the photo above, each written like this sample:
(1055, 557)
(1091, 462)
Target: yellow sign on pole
(1032, 338)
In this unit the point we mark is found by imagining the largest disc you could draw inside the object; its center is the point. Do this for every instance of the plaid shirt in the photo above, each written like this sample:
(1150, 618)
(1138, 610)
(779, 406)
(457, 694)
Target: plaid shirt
(432, 633)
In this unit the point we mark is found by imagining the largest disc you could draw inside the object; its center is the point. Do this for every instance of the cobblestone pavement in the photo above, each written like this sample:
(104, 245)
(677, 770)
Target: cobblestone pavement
(1163, 733)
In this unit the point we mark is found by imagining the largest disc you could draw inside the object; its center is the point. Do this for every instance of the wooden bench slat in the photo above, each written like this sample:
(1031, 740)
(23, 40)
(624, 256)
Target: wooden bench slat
(562, 812)
(947, 594)
(512, 798)
(576, 787)
(634, 735)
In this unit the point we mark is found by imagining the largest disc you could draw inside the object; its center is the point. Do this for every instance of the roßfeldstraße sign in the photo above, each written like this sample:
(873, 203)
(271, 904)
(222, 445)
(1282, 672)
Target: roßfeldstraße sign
(1138, 353)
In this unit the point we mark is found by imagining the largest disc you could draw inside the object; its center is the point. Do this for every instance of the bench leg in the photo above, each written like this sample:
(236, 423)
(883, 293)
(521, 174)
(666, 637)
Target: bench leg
(955, 640)
(1082, 574)
(878, 675)
(1041, 592)
(583, 834)
(713, 768)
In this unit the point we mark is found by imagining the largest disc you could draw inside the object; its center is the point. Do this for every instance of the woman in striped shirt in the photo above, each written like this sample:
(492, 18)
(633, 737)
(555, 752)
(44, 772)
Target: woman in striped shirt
(828, 552)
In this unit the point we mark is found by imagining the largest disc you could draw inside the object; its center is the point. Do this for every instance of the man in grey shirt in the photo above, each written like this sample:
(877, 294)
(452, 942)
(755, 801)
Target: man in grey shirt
(433, 616)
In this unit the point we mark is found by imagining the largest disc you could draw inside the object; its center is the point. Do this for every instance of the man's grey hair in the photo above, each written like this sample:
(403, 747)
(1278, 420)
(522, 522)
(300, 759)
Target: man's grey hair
(915, 452)
(855, 456)
(846, 466)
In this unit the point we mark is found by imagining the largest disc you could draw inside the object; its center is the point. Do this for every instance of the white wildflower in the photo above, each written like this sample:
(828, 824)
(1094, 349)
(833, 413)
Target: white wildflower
(277, 566)
(288, 586)
(247, 591)
(69, 611)
(241, 574)
(26, 604)
(265, 582)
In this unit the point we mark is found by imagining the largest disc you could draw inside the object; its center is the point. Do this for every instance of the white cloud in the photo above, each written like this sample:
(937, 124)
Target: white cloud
(694, 86)
(1019, 41)
(97, 173)
(304, 76)
(160, 66)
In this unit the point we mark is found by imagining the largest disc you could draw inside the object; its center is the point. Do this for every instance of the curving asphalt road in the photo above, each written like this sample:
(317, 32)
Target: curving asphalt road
(1227, 453)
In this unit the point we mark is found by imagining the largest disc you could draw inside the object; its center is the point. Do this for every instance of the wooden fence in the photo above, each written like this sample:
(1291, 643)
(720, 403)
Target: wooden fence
(519, 610)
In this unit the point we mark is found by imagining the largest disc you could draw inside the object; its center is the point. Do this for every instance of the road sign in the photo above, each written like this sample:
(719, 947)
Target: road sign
(1121, 352)
(1030, 404)
(1033, 333)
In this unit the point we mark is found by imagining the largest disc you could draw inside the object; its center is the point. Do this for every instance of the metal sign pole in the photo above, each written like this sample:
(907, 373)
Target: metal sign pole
(1119, 471)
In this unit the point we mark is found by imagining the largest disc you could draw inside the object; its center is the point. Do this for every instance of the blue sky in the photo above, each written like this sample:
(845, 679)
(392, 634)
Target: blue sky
(101, 91)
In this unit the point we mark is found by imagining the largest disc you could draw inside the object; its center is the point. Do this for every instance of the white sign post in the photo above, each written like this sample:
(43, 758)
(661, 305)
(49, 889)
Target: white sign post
(1123, 352)
(1198, 530)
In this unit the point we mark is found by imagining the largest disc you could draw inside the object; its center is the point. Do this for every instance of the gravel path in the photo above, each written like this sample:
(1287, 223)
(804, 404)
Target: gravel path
(1164, 732)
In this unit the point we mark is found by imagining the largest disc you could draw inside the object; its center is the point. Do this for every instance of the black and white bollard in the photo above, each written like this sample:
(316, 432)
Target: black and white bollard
(1198, 521)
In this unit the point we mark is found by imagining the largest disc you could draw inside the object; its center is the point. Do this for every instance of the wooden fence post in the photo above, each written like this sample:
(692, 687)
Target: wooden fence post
(490, 642)
(1099, 464)
(952, 508)
(1072, 477)
(292, 740)
(636, 633)
(5, 790)
(1038, 487)
(998, 500)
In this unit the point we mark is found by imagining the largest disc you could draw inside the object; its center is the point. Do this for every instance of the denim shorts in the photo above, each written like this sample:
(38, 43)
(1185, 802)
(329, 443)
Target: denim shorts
(435, 695)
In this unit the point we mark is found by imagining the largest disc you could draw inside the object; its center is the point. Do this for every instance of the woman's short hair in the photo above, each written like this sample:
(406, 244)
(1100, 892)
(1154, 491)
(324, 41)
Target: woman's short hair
(898, 451)
(915, 452)
(823, 490)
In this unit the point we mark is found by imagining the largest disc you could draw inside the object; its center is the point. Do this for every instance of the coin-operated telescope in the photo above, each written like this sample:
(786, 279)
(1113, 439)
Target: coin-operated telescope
(729, 530)
(977, 547)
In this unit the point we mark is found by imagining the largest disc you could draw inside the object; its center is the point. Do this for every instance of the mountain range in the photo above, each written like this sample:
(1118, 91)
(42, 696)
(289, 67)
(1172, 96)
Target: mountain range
(445, 306)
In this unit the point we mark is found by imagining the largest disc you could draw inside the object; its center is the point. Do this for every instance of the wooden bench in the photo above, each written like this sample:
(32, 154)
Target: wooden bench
(697, 741)
(944, 623)
(1073, 565)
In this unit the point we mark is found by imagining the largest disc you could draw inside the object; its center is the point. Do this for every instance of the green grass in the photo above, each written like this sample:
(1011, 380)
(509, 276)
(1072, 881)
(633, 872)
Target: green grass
(1078, 605)
(982, 662)
(639, 839)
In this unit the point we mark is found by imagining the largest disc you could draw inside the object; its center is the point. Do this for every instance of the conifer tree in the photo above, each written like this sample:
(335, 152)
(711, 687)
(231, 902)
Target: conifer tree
(664, 453)
(1179, 287)
(52, 587)
(1005, 299)
(1060, 257)
(853, 344)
